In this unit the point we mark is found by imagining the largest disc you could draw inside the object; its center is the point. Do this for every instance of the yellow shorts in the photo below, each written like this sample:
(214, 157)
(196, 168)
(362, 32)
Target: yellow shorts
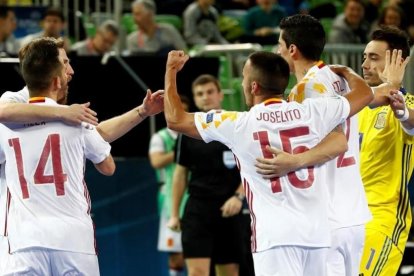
(380, 255)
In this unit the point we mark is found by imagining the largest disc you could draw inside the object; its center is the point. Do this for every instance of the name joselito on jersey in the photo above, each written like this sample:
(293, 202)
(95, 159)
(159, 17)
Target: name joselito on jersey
(279, 116)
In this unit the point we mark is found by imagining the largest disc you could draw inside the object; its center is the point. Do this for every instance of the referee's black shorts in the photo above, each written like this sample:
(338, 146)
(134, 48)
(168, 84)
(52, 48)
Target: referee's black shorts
(206, 234)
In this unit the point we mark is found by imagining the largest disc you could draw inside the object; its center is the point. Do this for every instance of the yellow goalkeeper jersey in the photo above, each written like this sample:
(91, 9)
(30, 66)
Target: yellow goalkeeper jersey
(386, 166)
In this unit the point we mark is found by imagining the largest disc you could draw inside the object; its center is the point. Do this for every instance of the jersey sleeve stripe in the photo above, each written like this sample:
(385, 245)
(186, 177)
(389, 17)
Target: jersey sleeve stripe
(249, 198)
(403, 204)
(383, 257)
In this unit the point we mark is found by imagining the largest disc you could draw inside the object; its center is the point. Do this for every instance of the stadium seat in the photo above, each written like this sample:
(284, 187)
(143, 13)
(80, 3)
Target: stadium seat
(172, 19)
(128, 24)
(127, 21)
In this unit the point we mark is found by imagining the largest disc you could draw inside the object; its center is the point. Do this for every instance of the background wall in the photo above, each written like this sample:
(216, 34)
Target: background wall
(125, 214)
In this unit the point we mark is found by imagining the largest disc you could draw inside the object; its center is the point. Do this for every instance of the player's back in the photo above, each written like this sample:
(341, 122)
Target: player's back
(21, 96)
(290, 210)
(346, 190)
(50, 202)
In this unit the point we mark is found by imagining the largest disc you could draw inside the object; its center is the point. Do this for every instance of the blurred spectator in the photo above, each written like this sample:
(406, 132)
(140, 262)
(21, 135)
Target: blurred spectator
(322, 8)
(261, 22)
(391, 15)
(103, 41)
(152, 37)
(8, 43)
(234, 4)
(407, 6)
(294, 6)
(200, 24)
(53, 25)
(372, 10)
(350, 26)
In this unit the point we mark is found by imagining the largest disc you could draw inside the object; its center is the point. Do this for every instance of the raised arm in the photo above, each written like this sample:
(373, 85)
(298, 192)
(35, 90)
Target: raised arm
(175, 115)
(118, 126)
(392, 76)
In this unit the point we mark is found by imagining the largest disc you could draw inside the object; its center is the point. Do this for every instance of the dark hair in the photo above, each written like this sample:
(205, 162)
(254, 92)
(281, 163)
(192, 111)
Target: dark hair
(271, 71)
(4, 11)
(306, 32)
(54, 11)
(361, 2)
(397, 9)
(39, 62)
(206, 78)
(394, 37)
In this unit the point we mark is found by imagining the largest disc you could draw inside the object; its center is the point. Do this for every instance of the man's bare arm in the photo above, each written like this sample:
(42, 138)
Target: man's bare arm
(178, 189)
(175, 115)
(332, 145)
(107, 166)
(116, 127)
(23, 113)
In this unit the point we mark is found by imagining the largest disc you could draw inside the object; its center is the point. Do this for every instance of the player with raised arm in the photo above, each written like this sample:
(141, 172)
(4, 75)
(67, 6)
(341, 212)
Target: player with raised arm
(387, 233)
(14, 109)
(45, 178)
(298, 246)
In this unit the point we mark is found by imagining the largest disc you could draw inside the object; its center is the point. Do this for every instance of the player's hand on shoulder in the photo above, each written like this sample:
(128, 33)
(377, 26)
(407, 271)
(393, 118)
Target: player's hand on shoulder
(342, 71)
(77, 114)
(174, 224)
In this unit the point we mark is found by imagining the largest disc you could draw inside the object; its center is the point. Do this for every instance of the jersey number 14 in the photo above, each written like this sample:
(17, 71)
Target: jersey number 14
(51, 150)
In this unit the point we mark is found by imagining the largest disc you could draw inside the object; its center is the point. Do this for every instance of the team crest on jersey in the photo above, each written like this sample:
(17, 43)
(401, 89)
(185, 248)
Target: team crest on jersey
(381, 120)
(216, 122)
(209, 118)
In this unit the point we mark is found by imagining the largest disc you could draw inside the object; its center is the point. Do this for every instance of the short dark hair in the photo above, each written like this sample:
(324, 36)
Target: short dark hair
(361, 2)
(54, 11)
(397, 9)
(306, 32)
(4, 11)
(39, 62)
(270, 71)
(206, 78)
(394, 37)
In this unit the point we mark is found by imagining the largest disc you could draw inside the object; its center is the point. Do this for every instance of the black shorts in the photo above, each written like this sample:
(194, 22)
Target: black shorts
(206, 234)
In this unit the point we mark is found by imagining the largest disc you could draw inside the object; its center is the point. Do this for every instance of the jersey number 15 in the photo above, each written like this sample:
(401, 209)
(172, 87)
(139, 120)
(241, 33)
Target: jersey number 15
(285, 136)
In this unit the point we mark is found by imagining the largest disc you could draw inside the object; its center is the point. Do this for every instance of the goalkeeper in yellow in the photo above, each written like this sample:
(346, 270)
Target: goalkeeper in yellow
(386, 137)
